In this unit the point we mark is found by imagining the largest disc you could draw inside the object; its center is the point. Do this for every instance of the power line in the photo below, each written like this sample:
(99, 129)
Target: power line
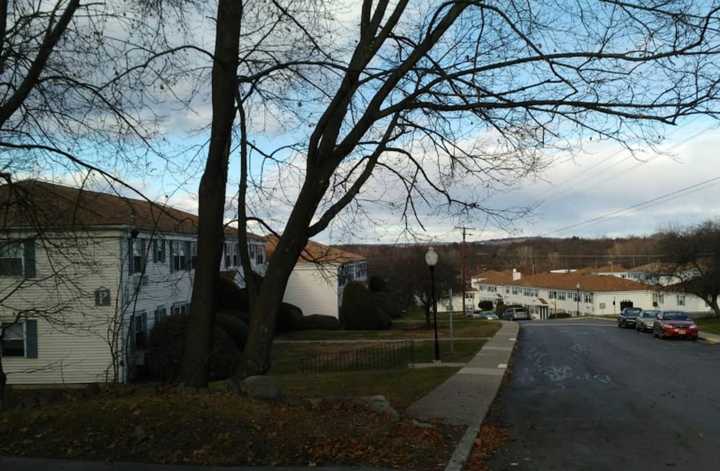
(554, 195)
(662, 198)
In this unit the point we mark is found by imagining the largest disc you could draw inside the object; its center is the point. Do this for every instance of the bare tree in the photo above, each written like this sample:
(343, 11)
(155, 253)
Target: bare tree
(437, 93)
(695, 261)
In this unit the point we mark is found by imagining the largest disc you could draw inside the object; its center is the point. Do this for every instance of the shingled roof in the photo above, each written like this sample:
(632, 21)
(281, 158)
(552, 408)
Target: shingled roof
(568, 281)
(39, 204)
(316, 252)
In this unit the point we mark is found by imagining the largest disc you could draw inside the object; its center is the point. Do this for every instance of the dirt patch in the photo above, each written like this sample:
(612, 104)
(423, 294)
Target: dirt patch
(169, 426)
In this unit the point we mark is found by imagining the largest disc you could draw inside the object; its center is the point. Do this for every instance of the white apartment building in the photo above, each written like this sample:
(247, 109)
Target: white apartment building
(321, 273)
(578, 293)
(84, 276)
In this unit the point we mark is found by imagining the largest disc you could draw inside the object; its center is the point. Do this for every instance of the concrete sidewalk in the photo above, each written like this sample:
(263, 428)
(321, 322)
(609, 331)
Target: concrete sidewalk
(40, 464)
(464, 399)
(709, 338)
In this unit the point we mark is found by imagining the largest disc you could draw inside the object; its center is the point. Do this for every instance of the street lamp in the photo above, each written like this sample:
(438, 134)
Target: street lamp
(577, 296)
(431, 258)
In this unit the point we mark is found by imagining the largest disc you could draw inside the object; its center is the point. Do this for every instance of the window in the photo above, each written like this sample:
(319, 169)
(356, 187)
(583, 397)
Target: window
(228, 255)
(17, 258)
(562, 295)
(180, 255)
(515, 290)
(362, 270)
(658, 298)
(260, 255)
(680, 299)
(180, 308)
(160, 313)
(136, 250)
(158, 248)
(589, 298)
(507, 290)
(13, 340)
(235, 254)
(140, 329)
(193, 255)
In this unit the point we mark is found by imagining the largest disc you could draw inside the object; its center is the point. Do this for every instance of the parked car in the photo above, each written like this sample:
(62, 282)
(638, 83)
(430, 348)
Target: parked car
(489, 315)
(628, 316)
(515, 314)
(645, 321)
(675, 324)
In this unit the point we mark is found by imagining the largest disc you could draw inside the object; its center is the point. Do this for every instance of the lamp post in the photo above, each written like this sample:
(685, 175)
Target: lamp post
(577, 297)
(431, 258)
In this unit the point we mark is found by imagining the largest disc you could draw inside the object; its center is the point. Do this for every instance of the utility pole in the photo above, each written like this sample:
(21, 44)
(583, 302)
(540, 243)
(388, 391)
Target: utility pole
(463, 254)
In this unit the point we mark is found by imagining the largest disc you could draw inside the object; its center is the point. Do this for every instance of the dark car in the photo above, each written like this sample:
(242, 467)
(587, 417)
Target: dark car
(628, 316)
(675, 324)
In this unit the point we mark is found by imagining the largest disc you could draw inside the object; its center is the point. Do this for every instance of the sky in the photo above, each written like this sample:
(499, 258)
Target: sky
(596, 191)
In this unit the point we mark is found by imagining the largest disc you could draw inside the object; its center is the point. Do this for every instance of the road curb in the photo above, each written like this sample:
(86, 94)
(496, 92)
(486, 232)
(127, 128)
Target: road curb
(463, 449)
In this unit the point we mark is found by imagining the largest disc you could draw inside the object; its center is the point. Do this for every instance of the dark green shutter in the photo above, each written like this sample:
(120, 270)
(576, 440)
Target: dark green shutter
(130, 256)
(171, 254)
(29, 257)
(31, 339)
(155, 250)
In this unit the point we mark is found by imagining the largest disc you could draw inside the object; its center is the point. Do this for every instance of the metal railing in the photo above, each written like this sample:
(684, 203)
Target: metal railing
(387, 355)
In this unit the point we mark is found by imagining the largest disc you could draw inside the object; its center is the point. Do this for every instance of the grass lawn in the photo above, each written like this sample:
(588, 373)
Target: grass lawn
(288, 357)
(402, 330)
(145, 424)
(711, 325)
(401, 387)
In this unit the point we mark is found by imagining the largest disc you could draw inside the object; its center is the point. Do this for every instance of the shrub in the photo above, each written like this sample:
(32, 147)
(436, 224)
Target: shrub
(289, 317)
(319, 322)
(167, 345)
(230, 296)
(360, 311)
(559, 315)
(377, 284)
(390, 303)
(486, 305)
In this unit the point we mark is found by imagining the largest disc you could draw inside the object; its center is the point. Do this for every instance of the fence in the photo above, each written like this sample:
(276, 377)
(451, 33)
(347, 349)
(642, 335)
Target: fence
(386, 355)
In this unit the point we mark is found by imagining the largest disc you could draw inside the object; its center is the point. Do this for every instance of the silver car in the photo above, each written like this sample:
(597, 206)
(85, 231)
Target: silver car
(645, 321)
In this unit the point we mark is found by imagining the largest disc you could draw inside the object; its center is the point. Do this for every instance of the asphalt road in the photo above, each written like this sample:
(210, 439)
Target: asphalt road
(586, 395)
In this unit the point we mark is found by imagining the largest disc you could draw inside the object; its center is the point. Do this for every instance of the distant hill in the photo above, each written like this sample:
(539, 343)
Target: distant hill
(527, 254)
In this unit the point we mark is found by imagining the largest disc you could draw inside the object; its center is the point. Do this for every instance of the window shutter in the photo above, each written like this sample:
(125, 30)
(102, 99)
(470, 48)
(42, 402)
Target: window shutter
(155, 250)
(31, 340)
(29, 257)
(130, 256)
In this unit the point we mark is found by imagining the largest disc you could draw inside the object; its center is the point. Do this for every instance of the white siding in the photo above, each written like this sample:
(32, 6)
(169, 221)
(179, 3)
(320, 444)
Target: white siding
(74, 347)
(314, 289)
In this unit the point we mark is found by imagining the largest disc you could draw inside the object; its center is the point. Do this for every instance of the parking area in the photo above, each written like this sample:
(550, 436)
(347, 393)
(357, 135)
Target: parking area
(585, 394)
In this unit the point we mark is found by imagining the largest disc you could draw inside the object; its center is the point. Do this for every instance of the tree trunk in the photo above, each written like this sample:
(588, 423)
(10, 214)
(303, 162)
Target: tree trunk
(256, 357)
(3, 385)
(198, 339)
(714, 306)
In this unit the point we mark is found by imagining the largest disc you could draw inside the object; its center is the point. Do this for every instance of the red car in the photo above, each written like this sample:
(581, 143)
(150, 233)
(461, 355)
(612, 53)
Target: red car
(674, 324)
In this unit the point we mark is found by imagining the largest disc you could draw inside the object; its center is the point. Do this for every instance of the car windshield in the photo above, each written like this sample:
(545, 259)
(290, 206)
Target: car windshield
(649, 314)
(632, 312)
(675, 316)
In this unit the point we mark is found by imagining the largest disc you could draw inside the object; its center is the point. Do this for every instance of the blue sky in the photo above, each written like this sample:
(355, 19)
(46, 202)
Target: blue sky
(596, 180)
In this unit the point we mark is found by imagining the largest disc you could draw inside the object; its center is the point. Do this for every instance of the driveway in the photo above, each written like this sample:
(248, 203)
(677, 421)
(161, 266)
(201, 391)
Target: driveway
(586, 395)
